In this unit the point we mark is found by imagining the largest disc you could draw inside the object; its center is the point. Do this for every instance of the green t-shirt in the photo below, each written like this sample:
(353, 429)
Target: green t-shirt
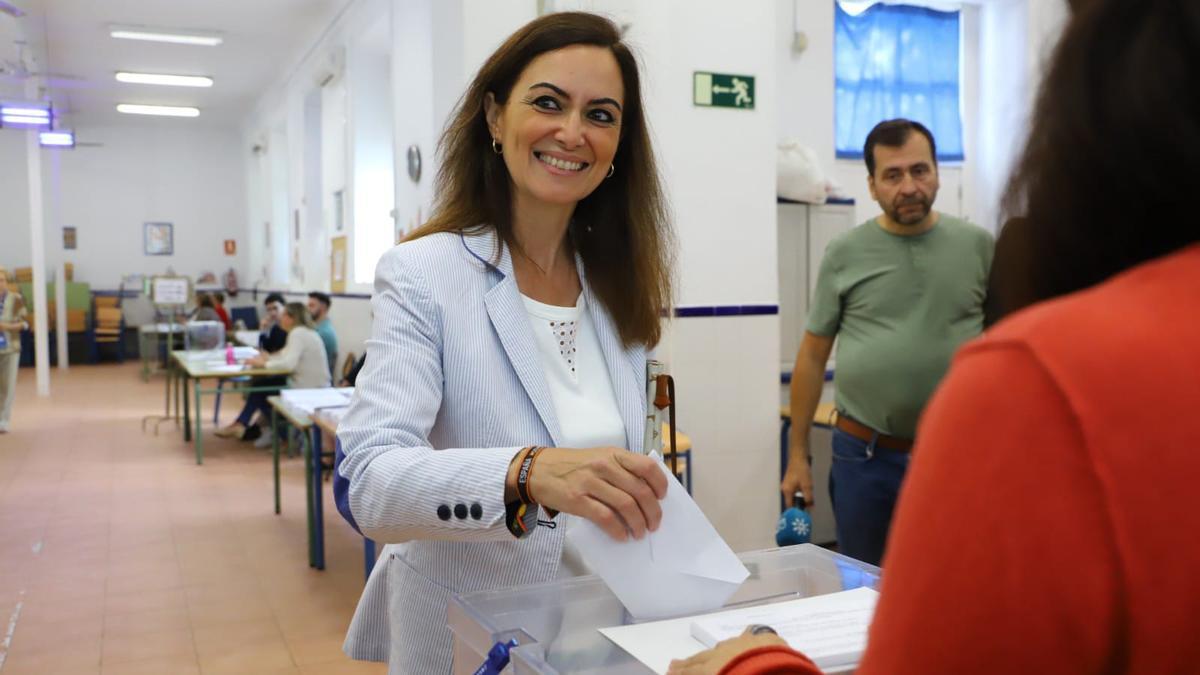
(900, 307)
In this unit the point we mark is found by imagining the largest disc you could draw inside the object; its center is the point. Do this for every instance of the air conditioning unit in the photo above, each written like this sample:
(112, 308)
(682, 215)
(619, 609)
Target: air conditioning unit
(330, 67)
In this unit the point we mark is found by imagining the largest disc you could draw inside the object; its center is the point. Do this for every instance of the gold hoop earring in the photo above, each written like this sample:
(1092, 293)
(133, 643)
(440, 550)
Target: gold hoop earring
(612, 168)
(497, 148)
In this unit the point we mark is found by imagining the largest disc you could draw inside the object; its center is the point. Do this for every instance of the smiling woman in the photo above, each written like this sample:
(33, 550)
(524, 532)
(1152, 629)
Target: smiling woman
(506, 369)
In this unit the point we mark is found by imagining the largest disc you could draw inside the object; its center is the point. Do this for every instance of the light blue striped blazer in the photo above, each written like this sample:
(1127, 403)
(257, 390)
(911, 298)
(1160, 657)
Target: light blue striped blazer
(452, 388)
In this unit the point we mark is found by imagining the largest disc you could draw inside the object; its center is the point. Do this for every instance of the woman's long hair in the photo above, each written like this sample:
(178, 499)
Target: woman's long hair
(299, 314)
(1109, 174)
(620, 230)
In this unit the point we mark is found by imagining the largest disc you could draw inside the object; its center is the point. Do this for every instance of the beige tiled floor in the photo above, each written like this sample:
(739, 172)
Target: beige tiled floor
(123, 556)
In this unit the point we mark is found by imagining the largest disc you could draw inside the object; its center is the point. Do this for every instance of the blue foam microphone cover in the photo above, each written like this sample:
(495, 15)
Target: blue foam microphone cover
(795, 526)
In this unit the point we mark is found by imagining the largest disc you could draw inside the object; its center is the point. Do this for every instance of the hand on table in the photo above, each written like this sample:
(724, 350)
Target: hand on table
(710, 662)
(258, 361)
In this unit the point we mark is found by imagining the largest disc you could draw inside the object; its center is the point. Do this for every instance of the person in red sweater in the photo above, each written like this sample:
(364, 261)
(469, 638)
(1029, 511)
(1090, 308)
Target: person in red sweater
(1049, 521)
(219, 305)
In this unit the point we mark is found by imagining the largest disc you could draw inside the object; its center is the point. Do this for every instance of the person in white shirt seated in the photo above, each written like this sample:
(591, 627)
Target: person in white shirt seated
(303, 355)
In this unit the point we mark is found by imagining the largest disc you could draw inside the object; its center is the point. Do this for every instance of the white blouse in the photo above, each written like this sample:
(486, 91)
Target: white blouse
(580, 387)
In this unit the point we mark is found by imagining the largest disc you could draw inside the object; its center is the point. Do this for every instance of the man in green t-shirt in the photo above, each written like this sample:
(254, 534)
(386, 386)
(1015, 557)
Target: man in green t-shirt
(900, 292)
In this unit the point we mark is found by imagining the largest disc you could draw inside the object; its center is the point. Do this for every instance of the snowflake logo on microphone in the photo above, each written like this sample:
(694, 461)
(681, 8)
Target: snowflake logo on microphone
(800, 527)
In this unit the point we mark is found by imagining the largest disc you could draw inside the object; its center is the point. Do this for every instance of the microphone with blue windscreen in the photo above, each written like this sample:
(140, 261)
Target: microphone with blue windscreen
(795, 524)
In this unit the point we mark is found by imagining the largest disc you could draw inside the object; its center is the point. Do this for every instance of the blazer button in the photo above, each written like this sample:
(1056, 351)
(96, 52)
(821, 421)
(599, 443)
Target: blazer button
(476, 511)
(444, 512)
(460, 511)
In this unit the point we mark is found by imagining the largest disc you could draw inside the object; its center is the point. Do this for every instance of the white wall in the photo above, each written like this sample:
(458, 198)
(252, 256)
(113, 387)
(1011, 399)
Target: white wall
(14, 201)
(155, 171)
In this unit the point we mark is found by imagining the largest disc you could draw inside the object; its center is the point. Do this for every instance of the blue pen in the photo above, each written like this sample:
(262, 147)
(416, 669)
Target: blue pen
(497, 658)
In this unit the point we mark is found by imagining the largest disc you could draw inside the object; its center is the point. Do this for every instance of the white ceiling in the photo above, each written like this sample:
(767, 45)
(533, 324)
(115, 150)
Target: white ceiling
(263, 39)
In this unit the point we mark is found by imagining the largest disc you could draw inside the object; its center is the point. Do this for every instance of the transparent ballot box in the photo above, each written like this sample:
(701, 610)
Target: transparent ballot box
(204, 335)
(556, 624)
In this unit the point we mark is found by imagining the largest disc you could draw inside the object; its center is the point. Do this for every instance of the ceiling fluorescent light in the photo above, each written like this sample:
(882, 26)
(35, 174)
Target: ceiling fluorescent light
(25, 112)
(165, 80)
(62, 138)
(166, 110)
(173, 37)
(24, 120)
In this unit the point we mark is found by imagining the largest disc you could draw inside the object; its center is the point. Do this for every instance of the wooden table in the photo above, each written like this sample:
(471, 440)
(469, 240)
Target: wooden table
(154, 332)
(209, 365)
(302, 422)
(325, 421)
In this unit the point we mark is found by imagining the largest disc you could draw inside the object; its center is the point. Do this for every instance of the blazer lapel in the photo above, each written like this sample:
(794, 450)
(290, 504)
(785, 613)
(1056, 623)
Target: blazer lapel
(508, 317)
(626, 369)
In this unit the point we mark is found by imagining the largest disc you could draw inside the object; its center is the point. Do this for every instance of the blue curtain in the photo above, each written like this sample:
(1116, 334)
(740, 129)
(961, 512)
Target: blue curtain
(896, 61)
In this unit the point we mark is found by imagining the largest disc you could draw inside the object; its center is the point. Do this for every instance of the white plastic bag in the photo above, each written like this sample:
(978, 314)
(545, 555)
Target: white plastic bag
(799, 176)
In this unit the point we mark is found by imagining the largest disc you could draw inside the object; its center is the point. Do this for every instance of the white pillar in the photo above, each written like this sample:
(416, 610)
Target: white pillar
(60, 301)
(41, 338)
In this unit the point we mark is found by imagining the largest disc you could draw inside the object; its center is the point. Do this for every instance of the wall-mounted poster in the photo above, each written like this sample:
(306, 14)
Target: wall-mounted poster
(159, 239)
(230, 247)
(337, 264)
(168, 290)
(69, 238)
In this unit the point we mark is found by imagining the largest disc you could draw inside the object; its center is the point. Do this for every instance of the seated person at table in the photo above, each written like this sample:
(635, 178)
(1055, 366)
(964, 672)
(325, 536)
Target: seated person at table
(219, 305)
(272, 336)
(205, 309)
(303, 355)
(318, 307)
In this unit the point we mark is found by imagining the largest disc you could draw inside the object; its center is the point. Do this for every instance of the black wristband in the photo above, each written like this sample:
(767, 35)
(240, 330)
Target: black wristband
(520, 518)
(523, 475)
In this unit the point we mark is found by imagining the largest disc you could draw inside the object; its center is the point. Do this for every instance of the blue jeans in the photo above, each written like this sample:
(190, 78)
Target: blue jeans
(256, 401)
(863, 485)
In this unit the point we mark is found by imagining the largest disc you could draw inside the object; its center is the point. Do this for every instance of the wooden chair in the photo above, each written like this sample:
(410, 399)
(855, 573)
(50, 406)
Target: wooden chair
(347, 366)
(682, 455)
(108, 328)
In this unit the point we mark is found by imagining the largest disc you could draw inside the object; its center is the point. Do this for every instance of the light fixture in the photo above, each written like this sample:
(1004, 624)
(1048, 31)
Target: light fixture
(26, 114)
(165, 110)
(59, 138)
(165, 80)
(160, 35)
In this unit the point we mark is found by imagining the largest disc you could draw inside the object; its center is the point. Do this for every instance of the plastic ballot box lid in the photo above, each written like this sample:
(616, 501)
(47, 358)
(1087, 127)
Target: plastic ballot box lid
(556, 624)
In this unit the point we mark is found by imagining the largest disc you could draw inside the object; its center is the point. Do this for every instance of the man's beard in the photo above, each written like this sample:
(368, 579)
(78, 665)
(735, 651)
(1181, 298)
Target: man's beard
(913, 218)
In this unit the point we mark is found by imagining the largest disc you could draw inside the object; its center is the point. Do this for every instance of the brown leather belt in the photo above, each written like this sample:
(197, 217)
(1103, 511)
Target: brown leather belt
(865, 434)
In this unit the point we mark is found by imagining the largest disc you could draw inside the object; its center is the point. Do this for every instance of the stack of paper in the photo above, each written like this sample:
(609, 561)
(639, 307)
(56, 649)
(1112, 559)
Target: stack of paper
(829, 629)
(308, 400)
(683, 568)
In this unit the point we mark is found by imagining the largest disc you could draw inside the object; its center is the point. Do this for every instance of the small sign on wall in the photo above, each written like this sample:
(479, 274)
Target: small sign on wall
(337, 264)
(719, 90)
(69, 238)
(230, 247)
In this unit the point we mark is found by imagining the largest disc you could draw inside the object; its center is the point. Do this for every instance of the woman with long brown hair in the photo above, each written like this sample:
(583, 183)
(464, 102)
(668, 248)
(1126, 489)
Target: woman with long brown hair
(1049, 520)
(507, 361)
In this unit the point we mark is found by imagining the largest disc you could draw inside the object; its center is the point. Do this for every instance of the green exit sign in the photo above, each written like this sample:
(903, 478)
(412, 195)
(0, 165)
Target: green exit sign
(720, 90)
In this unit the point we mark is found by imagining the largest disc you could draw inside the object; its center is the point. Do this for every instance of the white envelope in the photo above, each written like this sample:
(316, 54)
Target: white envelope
(683, 568)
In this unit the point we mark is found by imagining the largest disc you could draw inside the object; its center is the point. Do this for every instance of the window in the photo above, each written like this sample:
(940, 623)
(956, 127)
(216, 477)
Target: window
(896, 61)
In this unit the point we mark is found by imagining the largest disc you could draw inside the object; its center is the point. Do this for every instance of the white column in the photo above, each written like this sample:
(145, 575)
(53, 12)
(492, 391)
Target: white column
(60, 301)
(33, 156)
